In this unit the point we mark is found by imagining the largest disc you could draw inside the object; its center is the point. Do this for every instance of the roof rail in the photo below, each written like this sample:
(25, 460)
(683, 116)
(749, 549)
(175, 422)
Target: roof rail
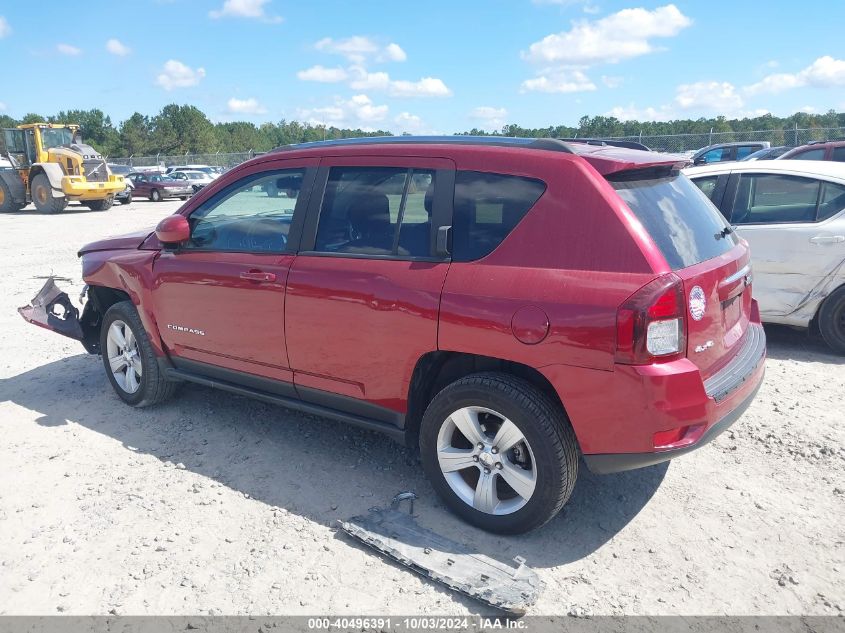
(549, 144)
(608, 141)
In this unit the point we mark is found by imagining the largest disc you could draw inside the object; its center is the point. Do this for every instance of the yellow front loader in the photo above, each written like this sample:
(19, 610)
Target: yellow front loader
(49, 165)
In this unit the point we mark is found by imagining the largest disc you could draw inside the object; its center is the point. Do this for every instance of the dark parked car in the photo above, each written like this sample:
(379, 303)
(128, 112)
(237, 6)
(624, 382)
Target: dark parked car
(818, 150)
(770, 153)
(157, 187)
(722, 152)
(508, 305)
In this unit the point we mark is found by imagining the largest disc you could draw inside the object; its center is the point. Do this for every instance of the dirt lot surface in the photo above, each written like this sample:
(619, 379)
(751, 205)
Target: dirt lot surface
(216, 504)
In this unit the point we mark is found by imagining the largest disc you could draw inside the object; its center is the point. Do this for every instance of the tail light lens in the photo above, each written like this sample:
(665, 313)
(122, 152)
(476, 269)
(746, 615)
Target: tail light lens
(650, 325)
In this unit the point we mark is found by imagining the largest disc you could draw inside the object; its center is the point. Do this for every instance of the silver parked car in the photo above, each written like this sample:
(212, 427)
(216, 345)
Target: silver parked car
(792, 213)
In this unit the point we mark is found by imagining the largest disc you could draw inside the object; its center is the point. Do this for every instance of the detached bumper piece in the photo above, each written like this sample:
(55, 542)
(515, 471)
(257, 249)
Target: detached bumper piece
(396, 534)
(51, 309)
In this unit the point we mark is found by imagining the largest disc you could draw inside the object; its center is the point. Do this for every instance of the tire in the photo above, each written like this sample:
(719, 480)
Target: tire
(155, 195)
(151, 386)
(7, 204)
(546, 454)
(183, 197)
(127, 199)
(100, 205)
(42, 195)
(832, 320)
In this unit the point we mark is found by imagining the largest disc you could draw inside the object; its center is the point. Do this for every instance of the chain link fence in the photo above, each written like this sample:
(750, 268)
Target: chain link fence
(675, 143)
(218, 159)
(680, 143)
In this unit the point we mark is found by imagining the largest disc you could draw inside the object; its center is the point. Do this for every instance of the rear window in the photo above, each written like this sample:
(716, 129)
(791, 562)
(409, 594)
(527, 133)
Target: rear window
(681, 220)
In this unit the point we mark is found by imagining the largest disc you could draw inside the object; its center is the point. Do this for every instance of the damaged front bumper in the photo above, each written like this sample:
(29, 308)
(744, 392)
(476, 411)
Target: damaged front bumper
(53, 310)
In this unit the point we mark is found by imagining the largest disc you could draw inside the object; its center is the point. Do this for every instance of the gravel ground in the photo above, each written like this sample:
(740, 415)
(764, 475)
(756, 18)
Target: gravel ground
(213, 503)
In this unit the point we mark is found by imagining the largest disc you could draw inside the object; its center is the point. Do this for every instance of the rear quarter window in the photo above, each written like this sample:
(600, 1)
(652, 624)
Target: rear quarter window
(681, 220)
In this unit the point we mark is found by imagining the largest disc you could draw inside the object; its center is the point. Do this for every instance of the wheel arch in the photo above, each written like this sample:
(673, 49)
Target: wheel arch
(54, 174)
(100, 299)
(435, 370)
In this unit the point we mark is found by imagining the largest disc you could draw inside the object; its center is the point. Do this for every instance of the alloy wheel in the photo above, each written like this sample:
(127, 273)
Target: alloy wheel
(124, 356)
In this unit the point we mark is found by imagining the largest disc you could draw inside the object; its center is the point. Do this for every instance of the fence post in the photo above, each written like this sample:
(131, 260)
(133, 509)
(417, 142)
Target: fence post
(710, 138)
(796, 134)
(130, 159)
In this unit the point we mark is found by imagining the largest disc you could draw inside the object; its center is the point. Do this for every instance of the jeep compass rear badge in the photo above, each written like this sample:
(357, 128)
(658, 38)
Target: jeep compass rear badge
(697, 303)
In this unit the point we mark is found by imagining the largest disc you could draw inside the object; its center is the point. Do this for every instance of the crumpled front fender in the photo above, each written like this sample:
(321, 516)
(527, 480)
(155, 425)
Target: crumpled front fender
(53, 310)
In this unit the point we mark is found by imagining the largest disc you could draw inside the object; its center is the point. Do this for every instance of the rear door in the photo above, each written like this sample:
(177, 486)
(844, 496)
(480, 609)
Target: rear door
(700, 248)
(364, 291)
(791, 224)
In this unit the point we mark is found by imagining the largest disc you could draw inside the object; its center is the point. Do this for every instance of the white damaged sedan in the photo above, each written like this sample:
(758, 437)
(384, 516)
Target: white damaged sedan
(792, 213)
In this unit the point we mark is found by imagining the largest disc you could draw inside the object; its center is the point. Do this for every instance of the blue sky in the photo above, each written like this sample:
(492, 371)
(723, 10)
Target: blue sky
(438, 66)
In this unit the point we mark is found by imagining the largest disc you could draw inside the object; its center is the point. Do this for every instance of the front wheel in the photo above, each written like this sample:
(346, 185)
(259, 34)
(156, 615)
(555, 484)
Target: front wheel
(127, 199)
(7, 203)
(155, 195)
(100, 205)
(499, 452)
(129, 359)
(832, 320)
(42, 196)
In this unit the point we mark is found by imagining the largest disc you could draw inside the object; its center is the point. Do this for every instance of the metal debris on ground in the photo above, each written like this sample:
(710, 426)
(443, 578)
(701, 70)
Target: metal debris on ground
(397, 534)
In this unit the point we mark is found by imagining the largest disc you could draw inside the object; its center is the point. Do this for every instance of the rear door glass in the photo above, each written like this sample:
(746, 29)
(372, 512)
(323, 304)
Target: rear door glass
(775, 199)
(681, 220)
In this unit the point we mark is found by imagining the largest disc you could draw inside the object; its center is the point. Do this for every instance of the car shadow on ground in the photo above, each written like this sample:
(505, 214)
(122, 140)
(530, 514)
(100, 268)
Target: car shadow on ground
(320, 469)
(787, 343)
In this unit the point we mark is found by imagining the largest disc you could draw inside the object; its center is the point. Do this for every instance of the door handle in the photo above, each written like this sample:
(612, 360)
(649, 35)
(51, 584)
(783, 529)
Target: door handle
(257, 275)
(827, 239)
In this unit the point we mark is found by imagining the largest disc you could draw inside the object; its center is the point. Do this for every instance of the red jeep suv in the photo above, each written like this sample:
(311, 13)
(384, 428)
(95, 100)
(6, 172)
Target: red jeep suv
(507, 305)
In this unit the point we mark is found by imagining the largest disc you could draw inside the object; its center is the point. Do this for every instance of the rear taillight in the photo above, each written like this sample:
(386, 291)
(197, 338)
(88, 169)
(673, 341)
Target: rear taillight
(650, 324)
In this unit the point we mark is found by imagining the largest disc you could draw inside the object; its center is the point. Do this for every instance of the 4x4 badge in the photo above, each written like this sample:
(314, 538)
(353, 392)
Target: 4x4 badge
(697, 303)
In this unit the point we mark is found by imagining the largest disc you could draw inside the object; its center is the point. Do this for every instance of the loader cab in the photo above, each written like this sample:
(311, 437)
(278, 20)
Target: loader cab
(21, 146)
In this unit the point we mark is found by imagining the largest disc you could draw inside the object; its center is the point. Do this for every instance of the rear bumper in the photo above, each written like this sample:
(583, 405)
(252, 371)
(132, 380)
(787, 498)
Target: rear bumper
(618, 462)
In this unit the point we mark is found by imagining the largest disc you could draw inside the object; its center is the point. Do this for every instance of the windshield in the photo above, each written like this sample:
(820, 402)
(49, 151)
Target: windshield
(54, 137)
(681, 220)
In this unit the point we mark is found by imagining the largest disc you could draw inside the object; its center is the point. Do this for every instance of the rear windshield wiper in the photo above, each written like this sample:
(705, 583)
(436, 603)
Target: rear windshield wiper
(724, 232)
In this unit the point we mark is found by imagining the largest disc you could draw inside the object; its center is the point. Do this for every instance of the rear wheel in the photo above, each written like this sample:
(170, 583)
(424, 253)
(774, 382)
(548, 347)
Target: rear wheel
(100, 205)
(832, 320)
(42, 196)
(155, 195)
(499, 452)
(7, 204)
(129, 359)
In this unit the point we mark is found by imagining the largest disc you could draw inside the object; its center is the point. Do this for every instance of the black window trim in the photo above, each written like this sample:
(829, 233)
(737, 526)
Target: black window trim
(729, 201)
(295, 232)
(441, 213)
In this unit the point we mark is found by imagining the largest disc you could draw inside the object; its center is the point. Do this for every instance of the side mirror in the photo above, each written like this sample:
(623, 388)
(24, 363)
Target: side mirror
(174, 229)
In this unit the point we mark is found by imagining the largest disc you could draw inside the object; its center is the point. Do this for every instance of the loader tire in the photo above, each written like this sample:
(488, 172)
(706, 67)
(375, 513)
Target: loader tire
(42, 196)
(7, 204)
(100, 205)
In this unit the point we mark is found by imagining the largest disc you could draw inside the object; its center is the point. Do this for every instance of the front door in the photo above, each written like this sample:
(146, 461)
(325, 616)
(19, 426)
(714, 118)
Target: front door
(220, 297)
(364, 292)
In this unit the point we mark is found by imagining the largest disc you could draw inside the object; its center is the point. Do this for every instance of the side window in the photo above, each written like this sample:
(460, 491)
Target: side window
(377, 211)
(839, 154)
(253, 215)
(775, 199)
(487, 208)
(715, 156)
(745, 150)
(832, 200)
(707, 184)
(812, 154)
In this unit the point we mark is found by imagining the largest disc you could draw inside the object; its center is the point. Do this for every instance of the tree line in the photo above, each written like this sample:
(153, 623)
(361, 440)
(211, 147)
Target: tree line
(180, 129)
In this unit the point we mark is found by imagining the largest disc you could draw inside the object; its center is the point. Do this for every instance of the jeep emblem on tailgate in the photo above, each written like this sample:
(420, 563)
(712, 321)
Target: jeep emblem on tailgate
(697, 303)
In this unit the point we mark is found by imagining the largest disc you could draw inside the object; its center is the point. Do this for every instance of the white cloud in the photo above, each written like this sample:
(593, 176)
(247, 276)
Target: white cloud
(619, 36)
(67, 49)
(5, 29)
(425, 87)
(408, 122)
(559, 81)
(245, 106)
(363, 80)
(2, 106)
(116, 47)
(612, 81)
(358, 111)
(175, 74)
(322, 74)
(252, 9)
(394, 53)
(490, 117)
(632, 113)
(358, 49)
(711, 96)
(825, 72)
